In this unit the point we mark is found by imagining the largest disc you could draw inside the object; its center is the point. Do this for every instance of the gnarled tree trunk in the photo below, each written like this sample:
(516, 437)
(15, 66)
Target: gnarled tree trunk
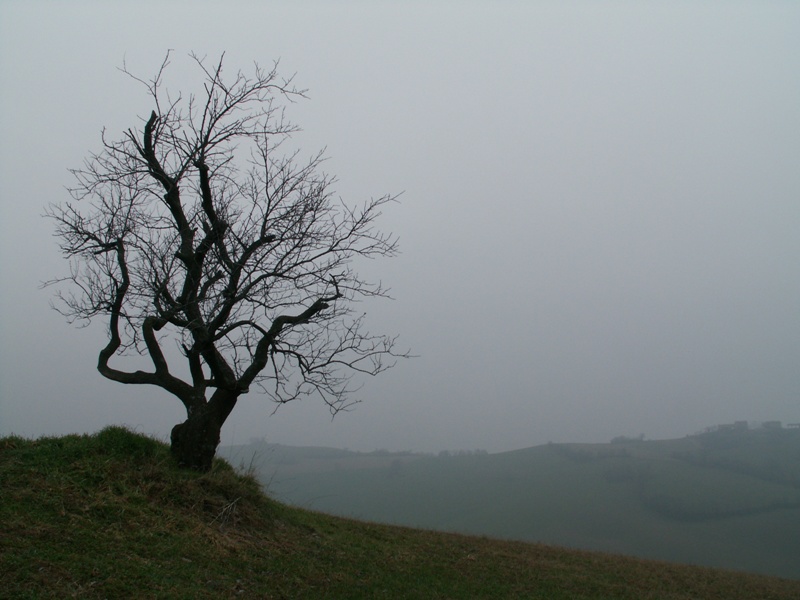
(194, 442)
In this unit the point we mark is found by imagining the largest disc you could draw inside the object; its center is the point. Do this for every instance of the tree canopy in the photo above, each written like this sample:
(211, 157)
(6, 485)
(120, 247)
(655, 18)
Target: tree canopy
(199, 228)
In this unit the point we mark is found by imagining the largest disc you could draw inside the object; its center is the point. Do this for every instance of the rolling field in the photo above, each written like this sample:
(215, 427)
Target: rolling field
(729, 501)
(111, 516)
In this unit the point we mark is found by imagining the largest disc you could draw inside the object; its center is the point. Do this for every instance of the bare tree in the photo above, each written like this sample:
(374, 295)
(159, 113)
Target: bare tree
(197, 229)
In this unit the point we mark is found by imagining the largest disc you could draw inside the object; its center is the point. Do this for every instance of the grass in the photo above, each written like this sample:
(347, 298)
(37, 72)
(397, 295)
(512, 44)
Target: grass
(110, 516)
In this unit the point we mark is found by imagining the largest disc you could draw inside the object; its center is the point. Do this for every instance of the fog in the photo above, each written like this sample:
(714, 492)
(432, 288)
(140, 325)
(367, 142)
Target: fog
(598, 222)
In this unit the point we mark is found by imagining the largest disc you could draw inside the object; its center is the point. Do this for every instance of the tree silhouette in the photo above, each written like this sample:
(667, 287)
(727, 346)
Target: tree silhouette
(199, 229)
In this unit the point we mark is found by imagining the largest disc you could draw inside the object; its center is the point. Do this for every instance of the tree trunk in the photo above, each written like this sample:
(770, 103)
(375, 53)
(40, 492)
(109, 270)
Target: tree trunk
(194, 442)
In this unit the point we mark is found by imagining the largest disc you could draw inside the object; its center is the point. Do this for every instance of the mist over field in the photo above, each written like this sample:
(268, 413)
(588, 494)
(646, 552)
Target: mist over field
(598, 219)
(728, 497)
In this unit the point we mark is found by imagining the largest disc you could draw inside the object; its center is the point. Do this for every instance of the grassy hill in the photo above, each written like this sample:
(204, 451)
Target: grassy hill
(110, 516)
(726, 499)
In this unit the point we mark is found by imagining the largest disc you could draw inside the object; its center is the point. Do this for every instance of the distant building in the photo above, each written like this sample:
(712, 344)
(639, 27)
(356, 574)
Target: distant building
(772, 425)
(735, 426)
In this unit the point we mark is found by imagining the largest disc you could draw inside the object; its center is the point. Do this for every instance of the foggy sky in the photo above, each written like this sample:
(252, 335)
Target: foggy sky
(599, 220)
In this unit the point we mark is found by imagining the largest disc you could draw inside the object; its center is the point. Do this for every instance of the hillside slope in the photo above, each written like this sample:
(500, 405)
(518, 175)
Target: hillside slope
(109, 516)
(727, 499)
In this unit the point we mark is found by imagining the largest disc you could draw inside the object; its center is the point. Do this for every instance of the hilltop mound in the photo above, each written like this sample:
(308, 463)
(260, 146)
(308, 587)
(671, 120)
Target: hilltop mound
(110, 516)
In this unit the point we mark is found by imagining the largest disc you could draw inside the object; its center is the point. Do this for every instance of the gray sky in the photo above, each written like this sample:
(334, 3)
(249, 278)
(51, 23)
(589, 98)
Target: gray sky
(599, 222)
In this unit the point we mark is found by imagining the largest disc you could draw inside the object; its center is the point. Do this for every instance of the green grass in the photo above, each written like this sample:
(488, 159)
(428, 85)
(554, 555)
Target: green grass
(110, 516)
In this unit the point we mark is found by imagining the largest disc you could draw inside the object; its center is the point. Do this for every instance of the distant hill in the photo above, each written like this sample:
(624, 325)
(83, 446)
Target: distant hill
(726, 498)
(111, 516)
